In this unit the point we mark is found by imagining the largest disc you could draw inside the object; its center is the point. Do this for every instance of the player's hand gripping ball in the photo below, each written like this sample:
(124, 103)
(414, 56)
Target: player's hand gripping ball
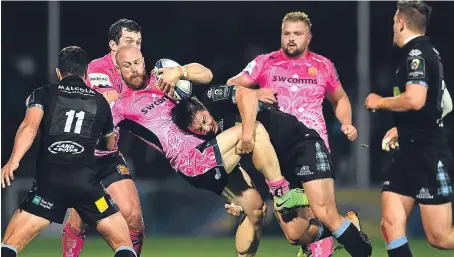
(168, 80)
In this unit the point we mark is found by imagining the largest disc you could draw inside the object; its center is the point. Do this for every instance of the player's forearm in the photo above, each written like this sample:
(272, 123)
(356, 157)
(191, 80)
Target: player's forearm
(401, 103)
(197, 73)
(24, 140)
(247, 105)
(343, 110)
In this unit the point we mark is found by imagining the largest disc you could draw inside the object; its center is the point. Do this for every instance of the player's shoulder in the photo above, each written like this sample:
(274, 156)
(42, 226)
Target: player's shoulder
(319, 59)
(266, 57)
(47, 88)
(102, 62)
(423, 48)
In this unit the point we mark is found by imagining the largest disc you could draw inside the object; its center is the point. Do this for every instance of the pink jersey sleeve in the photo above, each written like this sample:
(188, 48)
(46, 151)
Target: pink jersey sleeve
(116, 112)
(254, 69)
(332, 79)
(100, 78)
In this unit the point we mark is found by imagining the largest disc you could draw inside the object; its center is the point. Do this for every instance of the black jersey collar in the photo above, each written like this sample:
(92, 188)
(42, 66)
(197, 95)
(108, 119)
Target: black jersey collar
(414, 41)
(72, 80)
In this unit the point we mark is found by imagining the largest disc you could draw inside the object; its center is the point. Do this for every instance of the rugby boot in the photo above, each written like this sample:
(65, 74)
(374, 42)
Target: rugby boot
(293, 198)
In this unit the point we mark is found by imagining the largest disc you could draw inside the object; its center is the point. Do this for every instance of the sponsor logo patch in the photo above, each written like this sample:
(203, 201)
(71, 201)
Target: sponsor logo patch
(66, 147)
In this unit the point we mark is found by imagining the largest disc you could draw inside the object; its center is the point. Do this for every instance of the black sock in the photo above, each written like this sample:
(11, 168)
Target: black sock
(125, 251)
(399, 248)
(326, 233)
(8, 251)
(323, 232)
(354, 241)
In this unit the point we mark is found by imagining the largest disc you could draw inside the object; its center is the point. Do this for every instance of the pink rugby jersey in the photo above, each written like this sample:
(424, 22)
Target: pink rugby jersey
(103, 76)
(300, 83)
(150, 111)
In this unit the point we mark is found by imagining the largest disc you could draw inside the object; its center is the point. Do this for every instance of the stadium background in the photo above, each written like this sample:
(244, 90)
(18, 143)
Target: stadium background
(223, 36)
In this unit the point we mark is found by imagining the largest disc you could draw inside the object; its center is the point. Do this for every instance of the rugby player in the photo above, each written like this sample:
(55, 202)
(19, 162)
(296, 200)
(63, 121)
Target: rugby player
(114, 173)
(301, 79)
(104, 77)
(72, 119)
(422, 169)
(303, 152)
(210, 165)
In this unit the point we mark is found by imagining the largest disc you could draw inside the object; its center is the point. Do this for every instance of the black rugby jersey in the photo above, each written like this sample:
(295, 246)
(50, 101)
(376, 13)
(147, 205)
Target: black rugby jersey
(421, 64)
(75, 118)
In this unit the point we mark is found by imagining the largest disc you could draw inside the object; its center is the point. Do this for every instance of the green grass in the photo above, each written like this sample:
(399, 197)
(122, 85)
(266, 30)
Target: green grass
(206, 247)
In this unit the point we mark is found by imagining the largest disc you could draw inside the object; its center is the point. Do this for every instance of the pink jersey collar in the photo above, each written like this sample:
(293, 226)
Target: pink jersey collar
(283, 56)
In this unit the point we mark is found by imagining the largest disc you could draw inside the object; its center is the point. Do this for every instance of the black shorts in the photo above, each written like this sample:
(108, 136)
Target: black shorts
(423, 173)
(311, 160)
(112, 168)
(51, 196)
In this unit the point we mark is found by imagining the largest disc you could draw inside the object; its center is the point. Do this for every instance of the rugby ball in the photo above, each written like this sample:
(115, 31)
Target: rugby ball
(183, 88)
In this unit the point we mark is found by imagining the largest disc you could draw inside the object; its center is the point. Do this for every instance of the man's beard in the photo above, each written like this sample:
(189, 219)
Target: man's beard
(136, 82)
(298, 52)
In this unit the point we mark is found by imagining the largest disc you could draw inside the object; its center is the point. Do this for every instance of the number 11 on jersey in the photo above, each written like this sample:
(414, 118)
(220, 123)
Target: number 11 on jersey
(69, 121)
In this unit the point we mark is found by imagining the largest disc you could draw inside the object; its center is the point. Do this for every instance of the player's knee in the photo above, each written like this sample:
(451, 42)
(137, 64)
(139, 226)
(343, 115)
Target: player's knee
(256, 216)
(389, 223)
(132, 215)
(438, 240)
(253, 206)
(134, 219)
(325, 213)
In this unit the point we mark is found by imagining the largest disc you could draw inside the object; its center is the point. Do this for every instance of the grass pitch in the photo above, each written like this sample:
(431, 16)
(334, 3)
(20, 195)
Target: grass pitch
(207, 247)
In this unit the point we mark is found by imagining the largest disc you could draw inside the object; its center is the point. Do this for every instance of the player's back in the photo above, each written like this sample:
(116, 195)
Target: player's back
(75, 118)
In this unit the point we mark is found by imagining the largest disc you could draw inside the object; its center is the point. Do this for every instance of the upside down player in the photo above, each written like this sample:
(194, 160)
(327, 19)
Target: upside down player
(423, 167)
(104, 77)
(301, 79)
(72, 119)
(296, 154)
(210, 165)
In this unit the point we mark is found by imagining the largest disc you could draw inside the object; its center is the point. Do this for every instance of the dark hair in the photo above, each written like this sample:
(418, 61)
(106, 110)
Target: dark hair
(184, 112)
(417, 14)
(116, 29)
(73, 60)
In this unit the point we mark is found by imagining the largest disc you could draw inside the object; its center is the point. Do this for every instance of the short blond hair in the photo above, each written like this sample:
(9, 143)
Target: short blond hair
(297, 16)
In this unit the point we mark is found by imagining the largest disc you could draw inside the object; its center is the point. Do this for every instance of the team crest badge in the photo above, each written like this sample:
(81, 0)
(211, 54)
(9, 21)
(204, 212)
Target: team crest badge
(312, 71)
(123, 169)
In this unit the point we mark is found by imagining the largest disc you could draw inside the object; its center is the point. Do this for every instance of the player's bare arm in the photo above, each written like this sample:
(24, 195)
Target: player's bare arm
(265, 95)
(110, 141)
(343, 111)
(24, 139)
(241, 80)
(247, 105)
(194, 72)
(413, 99)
